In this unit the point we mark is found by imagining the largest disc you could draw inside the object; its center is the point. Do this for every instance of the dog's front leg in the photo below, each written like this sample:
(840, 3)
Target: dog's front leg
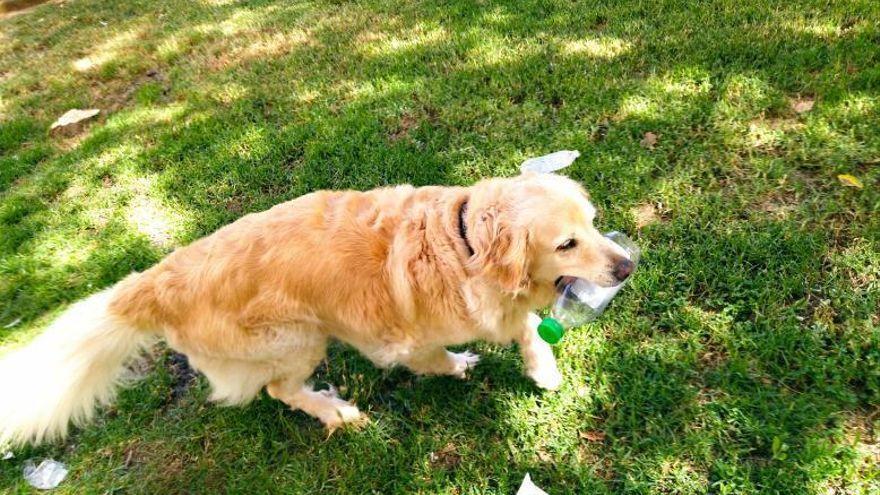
(539, 361)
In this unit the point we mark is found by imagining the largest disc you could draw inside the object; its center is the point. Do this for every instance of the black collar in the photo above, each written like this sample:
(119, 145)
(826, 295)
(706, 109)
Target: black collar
(462, 227)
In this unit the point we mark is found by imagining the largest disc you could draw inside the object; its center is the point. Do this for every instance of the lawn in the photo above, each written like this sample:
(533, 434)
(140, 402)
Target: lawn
(743, 358)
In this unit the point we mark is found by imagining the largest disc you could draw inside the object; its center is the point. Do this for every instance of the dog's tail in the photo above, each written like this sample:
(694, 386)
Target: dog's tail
(75, 364)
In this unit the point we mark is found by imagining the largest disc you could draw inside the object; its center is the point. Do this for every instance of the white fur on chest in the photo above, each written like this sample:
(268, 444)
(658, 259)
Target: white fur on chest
(497, 318)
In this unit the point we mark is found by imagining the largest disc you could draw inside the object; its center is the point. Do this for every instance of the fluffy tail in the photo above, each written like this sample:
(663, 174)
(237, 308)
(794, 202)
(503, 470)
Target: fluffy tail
(75, 364)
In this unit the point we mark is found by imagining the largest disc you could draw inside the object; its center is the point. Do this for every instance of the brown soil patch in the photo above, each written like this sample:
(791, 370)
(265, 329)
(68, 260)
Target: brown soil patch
(407, 123)
(648, 213)
(9, 8)
(447, 457)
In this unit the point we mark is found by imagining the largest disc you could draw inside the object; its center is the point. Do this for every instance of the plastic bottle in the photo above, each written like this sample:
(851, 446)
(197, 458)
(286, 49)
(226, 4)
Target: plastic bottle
(581, 301)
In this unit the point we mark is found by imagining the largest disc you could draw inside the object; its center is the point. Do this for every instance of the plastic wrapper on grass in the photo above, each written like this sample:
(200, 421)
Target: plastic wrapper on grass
(47, 475)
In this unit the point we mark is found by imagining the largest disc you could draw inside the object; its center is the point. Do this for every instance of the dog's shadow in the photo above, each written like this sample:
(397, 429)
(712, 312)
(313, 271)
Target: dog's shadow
(398, 392)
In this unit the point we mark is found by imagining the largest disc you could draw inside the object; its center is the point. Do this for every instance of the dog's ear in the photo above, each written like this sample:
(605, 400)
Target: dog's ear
(501, 249)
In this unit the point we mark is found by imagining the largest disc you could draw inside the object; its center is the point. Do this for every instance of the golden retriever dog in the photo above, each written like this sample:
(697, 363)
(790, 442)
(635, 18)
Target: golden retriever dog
(399, 273)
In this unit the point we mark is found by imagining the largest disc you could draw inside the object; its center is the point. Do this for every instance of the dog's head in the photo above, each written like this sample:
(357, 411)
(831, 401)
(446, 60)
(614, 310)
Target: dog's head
(530, 231)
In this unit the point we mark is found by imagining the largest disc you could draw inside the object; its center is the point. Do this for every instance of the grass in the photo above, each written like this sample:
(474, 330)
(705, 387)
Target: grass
(743, 358)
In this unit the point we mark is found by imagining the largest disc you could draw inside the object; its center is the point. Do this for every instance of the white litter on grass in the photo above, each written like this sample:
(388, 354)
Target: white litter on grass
(529, 488)
(14, 323)
(46, 476)
(550, 163)
(74, 116)
(7, 455)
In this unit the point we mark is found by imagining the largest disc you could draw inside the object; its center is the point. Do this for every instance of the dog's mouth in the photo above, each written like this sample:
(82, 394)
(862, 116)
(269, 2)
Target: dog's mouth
(563, 281)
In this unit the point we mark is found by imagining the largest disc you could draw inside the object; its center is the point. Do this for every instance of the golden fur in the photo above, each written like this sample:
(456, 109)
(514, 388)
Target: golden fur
(254, 304)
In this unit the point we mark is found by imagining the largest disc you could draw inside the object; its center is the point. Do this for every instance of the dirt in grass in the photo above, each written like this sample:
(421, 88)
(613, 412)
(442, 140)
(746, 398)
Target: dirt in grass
(14, 7)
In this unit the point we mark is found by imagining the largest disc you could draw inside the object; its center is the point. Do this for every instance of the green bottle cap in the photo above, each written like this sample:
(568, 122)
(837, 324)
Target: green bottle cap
(550, 330)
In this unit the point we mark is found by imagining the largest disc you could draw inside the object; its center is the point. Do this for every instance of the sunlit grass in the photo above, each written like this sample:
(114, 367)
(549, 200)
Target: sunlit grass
(381, 44)
(108, 50)
(602, 48)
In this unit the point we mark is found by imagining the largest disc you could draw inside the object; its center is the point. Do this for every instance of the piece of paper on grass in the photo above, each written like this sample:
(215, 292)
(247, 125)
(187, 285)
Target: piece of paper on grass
(550, 163)
(529, 488)
(74, 116)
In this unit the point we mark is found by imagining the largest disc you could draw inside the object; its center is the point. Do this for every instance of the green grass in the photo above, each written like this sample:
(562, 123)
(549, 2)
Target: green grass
(743, 358)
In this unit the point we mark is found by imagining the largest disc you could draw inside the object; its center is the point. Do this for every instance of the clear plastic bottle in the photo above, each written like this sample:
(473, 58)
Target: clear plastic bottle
(581, 301)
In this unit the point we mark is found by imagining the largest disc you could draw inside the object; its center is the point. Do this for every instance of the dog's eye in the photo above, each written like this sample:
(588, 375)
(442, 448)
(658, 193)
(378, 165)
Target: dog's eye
(568, 244)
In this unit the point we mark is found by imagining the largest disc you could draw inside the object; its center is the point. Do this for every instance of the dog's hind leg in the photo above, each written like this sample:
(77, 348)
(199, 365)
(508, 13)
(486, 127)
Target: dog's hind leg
(325, 405)
(233, 381)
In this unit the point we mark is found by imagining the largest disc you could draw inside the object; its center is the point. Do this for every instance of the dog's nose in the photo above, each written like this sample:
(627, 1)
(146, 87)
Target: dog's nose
(623, 269)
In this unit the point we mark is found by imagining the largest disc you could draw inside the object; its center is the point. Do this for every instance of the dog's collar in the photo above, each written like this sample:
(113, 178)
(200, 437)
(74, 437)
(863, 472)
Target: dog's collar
(462, 227)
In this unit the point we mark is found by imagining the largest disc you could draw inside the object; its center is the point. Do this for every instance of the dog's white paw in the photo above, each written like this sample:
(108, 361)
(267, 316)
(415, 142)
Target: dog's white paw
(343, 414)
(346, 415)
(336, 412)
(546, 377)
(462, 362)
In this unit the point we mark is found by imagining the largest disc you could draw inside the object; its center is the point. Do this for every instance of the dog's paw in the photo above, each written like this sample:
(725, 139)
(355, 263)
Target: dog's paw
(343, 415)
(546, 377)
(462, 362)
(346, 416)
(336, 413)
